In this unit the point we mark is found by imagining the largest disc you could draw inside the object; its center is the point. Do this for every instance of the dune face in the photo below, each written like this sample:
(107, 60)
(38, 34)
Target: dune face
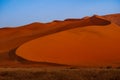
(92, 45)
(78, 34)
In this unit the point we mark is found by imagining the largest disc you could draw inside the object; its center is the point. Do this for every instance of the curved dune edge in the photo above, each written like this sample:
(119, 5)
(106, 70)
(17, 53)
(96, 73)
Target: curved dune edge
(98, 44)
(23, 35)
(95, 20)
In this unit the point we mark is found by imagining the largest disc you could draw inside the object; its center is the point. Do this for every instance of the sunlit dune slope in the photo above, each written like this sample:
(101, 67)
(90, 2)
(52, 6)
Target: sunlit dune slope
(90, 46)
(13, 38)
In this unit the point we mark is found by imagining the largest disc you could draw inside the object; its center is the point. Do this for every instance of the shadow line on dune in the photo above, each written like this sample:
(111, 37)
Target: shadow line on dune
(14, 57)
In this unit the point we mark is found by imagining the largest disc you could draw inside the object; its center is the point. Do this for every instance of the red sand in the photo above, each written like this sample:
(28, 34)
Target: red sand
(88, 46)
(78, 33)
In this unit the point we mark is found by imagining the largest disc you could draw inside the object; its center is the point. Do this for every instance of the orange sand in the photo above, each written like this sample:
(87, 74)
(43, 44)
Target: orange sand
(87, 46)
(87, 41)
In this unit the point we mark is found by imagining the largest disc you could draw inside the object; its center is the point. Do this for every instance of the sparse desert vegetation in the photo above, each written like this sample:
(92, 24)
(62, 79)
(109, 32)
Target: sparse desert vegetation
(59, 74)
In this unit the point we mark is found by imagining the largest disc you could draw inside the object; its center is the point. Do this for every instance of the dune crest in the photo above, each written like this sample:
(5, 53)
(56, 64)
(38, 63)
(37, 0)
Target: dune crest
(115, 18)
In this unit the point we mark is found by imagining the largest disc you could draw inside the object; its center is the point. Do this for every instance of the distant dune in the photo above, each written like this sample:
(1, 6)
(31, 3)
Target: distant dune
(90, 41)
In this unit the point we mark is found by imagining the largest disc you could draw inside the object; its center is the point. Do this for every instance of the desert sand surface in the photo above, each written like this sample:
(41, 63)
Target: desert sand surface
(91, 45)
(87, 41)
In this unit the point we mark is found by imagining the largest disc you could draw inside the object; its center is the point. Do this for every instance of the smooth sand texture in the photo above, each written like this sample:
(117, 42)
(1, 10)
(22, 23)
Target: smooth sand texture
(89, 46)
(12, 38)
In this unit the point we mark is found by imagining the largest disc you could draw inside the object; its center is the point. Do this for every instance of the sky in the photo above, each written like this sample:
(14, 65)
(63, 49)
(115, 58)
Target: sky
(20, 12)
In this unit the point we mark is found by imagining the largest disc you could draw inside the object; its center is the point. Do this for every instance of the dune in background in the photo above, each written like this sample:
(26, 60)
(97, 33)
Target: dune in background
(85, 41)
(115, 18)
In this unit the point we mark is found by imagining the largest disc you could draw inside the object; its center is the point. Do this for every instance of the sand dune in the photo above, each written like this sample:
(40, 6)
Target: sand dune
(115, 18)
(92, 45)
(12, 38)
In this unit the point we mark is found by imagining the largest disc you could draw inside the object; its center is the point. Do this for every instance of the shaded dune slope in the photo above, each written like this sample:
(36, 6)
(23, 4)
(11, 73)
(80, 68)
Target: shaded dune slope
(12, 38)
